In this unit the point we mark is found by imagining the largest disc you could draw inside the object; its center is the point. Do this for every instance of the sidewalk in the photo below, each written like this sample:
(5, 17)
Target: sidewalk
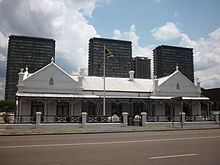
(32, 129)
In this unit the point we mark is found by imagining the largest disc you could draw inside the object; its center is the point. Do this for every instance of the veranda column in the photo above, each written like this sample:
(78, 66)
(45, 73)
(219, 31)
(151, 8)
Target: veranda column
(38, 118)
(45, 113)
(143, 118)
(17, 110)
(216, 114)
(125, 118)
(182, 118)
(84, 119)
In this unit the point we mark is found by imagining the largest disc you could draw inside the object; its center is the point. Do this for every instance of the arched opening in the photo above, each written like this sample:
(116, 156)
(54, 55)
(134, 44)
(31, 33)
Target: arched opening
(51, 81)
(177, 86)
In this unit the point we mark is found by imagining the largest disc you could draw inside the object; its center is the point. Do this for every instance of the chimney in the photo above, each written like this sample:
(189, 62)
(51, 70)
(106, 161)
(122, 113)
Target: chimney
(81, 76)
(81, 73)
(198, 85)
(21, 76)
(131, 75)
(155, 85)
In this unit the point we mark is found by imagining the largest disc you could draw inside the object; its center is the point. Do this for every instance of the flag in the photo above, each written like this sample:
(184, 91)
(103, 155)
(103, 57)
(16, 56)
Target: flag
(108, 54)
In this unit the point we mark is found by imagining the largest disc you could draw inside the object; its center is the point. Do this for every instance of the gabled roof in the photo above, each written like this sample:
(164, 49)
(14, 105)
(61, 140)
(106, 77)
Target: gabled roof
(164, 79)
(45, 67)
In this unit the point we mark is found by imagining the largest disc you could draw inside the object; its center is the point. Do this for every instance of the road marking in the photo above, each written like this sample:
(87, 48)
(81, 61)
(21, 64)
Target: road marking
(103, 143)
(173, 156)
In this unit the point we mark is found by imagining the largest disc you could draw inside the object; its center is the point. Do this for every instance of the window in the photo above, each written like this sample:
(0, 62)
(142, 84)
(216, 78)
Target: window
(51, 81)
(177, 86)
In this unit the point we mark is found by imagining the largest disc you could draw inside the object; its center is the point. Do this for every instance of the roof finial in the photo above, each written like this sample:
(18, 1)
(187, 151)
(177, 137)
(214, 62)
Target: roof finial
(177, 67)
(52, 59)
(26, 69)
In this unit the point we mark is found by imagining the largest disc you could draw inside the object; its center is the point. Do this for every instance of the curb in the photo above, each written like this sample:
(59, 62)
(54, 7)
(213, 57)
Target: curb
(102, 132)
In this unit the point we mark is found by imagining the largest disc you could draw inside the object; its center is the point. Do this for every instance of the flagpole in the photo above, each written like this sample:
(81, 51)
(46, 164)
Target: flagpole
(104, 82)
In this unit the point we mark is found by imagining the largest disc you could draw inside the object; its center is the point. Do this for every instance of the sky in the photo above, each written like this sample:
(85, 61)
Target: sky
(147, 23)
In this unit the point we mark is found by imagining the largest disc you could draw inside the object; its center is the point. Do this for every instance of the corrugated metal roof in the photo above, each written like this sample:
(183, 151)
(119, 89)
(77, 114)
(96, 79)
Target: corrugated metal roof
(55, 95)
(95, 96)
(117, 84)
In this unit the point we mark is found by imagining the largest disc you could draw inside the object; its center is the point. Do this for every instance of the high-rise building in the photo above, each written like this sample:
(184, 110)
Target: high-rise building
(166, 58)
(24, 51)
(120, 49)
(141, 66)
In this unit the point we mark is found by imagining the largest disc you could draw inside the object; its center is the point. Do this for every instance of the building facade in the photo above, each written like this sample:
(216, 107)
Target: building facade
(61, 97)
(141, 66)
(122, 51)
(24, 51)
(214, 95)
(166, 58)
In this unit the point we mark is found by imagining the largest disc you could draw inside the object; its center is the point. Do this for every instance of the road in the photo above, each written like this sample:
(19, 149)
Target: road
(138, 148)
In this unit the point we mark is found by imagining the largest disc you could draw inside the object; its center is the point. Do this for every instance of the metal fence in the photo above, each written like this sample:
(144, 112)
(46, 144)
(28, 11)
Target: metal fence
(60, 119)
(199, 118)
(25, 119)
(163, 118)
(177, 118)
(104, 119)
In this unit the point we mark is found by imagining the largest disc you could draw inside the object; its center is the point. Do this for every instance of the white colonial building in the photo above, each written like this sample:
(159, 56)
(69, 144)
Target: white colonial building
(54, 92)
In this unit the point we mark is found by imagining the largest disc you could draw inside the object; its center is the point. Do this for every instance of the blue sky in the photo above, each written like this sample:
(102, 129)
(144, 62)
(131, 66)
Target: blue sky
(197, 18)
(147, 23)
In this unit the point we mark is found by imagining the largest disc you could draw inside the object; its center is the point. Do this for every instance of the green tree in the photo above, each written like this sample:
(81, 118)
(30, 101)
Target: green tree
(7, 105)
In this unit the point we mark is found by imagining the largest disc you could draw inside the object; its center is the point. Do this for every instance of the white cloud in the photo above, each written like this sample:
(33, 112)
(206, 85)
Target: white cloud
(206, 58)
(166, 32)
(2, 87)
(2, 58)
(206, 52)
(3, 40)
(137, 50)
(63, 20)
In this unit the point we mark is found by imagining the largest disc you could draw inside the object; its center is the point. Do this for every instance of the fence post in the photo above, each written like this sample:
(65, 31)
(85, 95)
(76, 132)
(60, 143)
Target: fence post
(125, 118)
(216, 114)
(143, 118)
(84, 119)
(38, 118)
(182, 118)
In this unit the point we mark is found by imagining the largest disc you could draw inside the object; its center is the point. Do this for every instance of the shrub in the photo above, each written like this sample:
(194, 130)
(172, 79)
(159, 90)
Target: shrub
(6, 117)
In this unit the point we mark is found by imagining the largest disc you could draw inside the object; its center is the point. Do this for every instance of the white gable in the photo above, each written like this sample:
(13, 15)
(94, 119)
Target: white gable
(177, 85)
(50, 79)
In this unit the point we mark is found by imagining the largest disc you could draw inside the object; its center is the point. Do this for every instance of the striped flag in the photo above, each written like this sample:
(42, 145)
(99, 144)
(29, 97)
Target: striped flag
(108, 54)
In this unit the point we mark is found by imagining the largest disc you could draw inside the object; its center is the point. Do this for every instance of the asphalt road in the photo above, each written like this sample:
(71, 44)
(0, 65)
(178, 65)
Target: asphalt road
(139, 148)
